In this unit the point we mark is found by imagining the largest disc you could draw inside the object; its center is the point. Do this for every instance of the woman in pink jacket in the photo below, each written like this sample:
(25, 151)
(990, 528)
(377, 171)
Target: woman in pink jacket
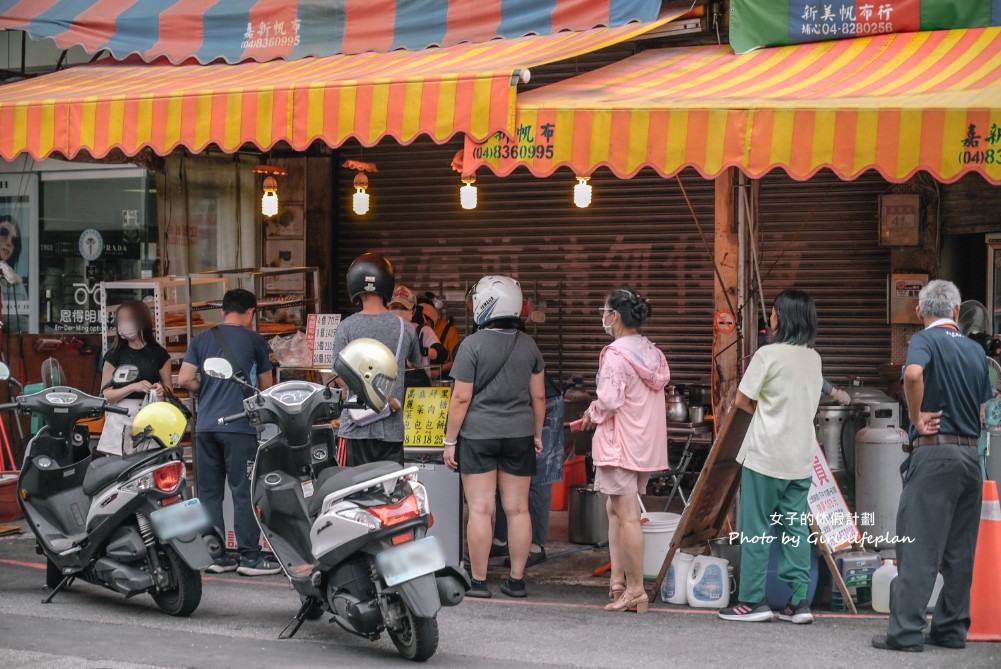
(630, 439)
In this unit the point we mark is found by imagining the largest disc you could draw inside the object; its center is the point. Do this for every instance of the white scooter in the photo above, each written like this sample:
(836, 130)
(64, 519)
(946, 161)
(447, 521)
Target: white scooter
(352, 541)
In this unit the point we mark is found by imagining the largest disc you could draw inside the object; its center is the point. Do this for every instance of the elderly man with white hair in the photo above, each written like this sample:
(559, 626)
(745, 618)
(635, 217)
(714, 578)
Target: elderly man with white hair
(946, 385)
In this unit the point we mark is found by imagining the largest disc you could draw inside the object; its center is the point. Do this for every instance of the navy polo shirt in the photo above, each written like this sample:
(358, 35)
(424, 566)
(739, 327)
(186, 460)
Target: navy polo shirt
(956, 378)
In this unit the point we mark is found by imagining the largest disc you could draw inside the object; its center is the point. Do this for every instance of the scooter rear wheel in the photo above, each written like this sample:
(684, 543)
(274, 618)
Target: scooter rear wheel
(186, 595)
(418, 640)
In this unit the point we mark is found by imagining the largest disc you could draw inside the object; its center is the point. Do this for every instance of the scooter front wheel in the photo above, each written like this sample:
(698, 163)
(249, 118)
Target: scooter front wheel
(418, 638)
(186, 595)
(53, 577)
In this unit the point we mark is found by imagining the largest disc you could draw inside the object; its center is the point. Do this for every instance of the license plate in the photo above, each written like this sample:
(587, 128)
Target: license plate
(409, 561)
(186, 517)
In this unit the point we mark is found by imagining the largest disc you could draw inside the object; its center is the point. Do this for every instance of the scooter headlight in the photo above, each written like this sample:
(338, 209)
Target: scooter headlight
(421, 494)
(361, 516)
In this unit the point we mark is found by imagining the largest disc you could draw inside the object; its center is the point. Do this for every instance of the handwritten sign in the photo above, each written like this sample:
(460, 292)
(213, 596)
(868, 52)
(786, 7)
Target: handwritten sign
(828, 507)
(320, 332)
(425, 412)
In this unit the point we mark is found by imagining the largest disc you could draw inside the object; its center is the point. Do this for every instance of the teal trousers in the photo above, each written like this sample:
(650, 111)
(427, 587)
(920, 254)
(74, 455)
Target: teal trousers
(768, 503)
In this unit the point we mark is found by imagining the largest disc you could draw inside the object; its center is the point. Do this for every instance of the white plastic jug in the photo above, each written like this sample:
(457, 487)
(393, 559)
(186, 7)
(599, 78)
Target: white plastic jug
(674, 590)
(708, 583)
(881, 580)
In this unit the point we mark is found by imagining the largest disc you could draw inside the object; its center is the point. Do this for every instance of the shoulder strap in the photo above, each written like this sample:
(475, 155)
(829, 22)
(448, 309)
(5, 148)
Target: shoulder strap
(228, 354)
(495, 372)
(403, 335)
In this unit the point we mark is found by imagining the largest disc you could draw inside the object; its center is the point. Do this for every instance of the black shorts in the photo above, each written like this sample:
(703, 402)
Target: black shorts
(515, 456)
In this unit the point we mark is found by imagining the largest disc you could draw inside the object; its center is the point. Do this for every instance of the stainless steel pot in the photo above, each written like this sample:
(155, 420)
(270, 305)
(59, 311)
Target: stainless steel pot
(588, 519)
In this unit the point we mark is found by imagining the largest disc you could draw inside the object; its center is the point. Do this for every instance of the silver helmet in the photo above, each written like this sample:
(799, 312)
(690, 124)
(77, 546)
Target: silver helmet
(370, 371)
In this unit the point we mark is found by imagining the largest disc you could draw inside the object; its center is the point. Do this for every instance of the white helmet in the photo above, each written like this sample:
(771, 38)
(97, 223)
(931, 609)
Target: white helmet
(496, 297)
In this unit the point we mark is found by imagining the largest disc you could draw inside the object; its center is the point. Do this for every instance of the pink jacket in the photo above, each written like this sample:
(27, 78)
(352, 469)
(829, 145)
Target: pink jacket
(631, 412)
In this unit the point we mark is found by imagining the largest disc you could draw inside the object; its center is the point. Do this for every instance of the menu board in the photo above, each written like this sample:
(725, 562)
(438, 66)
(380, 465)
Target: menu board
(425, 412)
(320, 332)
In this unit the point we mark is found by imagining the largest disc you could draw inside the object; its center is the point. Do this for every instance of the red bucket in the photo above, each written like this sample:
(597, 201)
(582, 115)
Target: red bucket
(574, 473)
(9, 510)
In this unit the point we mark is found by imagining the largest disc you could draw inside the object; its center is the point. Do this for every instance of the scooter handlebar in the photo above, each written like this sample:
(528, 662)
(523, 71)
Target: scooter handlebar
(232, 419)
(111, 408)
(9, 407)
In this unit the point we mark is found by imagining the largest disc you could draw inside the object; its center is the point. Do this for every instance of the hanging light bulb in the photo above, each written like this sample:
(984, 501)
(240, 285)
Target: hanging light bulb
(582, 193)
(467, 194)
(269, 201)
(359, 201)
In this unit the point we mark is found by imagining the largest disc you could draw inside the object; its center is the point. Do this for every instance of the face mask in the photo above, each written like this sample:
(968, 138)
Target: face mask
(128, 331)
(608, 328)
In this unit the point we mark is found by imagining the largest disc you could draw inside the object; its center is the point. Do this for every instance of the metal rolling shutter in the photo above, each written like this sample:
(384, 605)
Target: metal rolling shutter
(638, 232)
(836, 258)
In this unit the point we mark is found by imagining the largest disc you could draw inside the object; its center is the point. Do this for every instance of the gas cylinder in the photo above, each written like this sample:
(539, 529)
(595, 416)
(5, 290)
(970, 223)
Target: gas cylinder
(878, 456)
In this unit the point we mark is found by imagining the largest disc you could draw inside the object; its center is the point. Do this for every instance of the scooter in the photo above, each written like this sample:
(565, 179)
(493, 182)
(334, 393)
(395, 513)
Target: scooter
(126, 524)
(352, 540)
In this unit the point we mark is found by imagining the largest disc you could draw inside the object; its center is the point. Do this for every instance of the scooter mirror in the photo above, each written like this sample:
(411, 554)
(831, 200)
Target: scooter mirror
(4, 372)
(218, 368)
(125, 374)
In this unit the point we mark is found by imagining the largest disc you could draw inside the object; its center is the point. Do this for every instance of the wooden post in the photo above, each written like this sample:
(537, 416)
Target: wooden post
(727, 347)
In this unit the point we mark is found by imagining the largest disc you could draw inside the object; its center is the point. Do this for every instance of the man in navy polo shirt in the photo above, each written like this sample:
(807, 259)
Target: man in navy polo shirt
(946, 385)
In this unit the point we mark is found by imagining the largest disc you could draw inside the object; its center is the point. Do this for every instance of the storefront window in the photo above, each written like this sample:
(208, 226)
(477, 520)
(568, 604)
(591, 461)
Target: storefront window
(93, 227)
(15, 238)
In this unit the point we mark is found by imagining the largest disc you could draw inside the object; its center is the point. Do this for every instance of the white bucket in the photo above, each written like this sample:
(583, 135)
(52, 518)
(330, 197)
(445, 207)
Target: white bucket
(708, 583)
(657, 536)
(674, 590)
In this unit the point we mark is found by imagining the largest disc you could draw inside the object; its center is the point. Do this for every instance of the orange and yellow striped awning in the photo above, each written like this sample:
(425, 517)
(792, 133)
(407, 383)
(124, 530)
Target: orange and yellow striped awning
(130, 106)
(894, 103)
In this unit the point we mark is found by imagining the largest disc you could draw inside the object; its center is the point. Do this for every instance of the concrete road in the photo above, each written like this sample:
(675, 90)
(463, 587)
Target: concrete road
(559, 625)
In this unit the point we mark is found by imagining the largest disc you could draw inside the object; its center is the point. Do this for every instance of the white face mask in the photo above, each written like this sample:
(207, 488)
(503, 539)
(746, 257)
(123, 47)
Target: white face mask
(608, 328)
(128, 331)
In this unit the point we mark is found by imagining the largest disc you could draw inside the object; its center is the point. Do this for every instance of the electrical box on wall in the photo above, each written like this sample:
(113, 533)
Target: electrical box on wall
(902, 298)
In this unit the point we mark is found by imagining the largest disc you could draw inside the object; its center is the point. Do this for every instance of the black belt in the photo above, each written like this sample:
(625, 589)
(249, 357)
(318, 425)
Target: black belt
(953, 439)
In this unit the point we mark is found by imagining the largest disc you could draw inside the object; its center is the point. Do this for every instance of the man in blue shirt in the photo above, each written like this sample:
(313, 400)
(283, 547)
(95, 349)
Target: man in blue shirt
(946, 385)
(226, 453)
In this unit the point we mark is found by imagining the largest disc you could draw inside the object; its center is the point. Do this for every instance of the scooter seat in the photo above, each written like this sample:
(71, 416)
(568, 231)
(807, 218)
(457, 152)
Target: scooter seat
(333, 479)
(103, 471)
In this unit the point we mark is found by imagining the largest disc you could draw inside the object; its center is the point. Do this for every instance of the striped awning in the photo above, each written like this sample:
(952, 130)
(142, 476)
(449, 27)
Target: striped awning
(261, 30)
(894, 103)
(130, 106)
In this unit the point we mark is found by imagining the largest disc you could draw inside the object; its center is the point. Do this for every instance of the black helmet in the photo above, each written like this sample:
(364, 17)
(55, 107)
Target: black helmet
(371, 273)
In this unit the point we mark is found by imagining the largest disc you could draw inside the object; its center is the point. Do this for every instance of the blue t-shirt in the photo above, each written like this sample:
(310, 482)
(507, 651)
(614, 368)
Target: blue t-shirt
(219, 397)
(956, 378)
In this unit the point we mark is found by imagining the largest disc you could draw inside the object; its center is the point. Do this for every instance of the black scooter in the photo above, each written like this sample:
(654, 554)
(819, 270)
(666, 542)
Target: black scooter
(126, 524)
(352, 540)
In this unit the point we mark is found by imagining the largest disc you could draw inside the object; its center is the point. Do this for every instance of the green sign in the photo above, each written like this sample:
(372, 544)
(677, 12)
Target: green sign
(755, 24)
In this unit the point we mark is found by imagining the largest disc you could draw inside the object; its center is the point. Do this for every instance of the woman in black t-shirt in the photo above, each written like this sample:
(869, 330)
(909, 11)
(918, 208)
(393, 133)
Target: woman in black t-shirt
(134, 345)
